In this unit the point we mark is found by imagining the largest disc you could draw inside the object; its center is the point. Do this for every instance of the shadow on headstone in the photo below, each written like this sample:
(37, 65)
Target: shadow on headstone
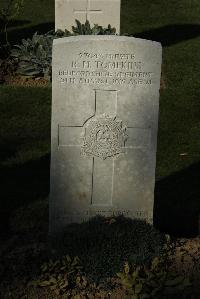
(104, 244)
(177, 202)
(171, 34)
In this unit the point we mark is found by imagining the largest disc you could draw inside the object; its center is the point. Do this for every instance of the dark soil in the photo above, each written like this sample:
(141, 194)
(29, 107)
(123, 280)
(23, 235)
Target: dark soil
(26, 81)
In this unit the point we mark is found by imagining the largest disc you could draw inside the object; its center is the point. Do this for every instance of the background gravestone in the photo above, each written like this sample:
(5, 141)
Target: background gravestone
(101, 12)
(104, 128)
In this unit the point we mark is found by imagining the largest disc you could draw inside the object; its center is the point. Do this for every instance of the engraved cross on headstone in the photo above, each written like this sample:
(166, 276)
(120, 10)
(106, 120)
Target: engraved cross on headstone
(105, 103)
(87, 11)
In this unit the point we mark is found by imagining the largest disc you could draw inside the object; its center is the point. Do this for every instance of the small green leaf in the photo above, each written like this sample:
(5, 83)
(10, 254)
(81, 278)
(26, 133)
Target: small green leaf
(53, 287)
(138, 288)
(121, 275)
(168, 238)
(126, 268)
(44, 267)
(127, 283)
(174, 282)
(134, 275)
(52, 280)
(63, 286)
(44, 283)
(155, 263)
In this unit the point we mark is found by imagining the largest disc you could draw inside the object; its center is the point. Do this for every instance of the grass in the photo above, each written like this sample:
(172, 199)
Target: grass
(25, 120)
(25, 124)
(37, 15)
(25, 147)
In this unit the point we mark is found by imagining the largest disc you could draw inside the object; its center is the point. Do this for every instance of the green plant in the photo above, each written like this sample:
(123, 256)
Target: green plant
(60, 275)
(114, 242)
(85, 29)
(65, 277)
(153, 281)
(13, 8)
(34, 56)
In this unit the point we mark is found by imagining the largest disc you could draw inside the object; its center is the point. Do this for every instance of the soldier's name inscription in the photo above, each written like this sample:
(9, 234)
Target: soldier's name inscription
(98, 68)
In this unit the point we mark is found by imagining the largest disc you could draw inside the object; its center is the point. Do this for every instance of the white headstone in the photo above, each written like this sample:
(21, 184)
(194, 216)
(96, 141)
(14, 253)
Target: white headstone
(104, 128)
(101, 12)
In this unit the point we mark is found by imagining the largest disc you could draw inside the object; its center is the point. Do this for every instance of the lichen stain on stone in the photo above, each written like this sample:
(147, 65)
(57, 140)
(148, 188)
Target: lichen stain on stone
(82, 196)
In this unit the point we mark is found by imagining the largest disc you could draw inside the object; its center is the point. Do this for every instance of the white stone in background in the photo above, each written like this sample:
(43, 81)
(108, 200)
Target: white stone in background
(104, 128)
(101, 12)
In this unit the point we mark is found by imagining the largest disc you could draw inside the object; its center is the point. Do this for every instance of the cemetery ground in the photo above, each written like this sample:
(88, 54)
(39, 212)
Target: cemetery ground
(105, 244)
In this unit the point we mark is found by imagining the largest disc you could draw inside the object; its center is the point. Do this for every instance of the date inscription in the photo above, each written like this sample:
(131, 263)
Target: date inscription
(105, 69)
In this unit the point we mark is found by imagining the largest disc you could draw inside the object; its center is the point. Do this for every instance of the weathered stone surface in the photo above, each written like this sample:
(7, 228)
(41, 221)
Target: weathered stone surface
(101, 12)
(104, 128)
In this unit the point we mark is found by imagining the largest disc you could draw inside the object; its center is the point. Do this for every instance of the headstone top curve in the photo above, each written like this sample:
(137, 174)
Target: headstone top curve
(118, 38)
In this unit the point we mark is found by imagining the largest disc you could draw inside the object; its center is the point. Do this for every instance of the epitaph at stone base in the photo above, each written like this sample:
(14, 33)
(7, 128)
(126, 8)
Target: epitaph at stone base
(104, 128)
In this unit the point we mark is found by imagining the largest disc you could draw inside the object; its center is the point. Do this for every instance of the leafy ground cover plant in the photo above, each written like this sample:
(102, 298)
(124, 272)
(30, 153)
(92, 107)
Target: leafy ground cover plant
(156, 280)
(34, 56)
(113, 241)
(64, 277)
(60, 274)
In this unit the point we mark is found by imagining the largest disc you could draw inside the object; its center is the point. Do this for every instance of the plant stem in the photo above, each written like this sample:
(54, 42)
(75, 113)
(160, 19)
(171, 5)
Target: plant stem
(6, 33)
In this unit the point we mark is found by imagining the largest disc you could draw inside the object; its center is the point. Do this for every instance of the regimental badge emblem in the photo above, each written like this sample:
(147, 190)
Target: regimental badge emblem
(104, 136)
